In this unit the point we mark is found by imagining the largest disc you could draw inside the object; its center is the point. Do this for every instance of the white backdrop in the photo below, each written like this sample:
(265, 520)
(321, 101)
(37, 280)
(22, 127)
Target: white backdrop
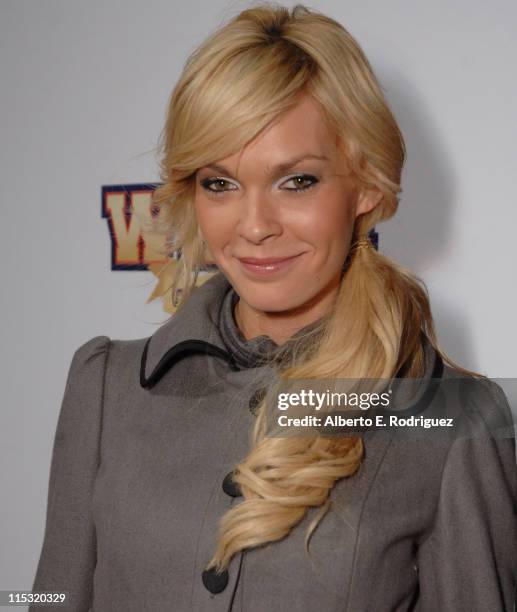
(84, 90)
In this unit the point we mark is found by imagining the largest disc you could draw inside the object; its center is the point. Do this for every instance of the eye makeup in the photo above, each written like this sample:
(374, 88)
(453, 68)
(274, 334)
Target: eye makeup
(208, 183)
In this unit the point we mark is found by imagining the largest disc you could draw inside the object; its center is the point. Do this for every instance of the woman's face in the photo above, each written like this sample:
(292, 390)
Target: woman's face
(287, 194)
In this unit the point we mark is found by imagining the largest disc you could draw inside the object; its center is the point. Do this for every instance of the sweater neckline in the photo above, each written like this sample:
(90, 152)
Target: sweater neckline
(256, 351)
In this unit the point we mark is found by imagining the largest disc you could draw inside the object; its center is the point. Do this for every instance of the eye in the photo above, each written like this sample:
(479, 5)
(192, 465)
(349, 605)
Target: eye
(220, 183)
(299, 181)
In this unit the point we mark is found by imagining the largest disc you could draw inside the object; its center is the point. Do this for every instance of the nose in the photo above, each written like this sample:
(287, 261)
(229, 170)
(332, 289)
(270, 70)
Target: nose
(258, 218)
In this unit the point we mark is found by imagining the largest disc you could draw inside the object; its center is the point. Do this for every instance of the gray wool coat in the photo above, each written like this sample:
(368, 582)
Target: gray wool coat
(147, 432)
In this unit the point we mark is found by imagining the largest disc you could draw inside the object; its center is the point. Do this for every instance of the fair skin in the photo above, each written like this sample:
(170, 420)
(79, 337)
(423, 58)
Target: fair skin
(246, 207)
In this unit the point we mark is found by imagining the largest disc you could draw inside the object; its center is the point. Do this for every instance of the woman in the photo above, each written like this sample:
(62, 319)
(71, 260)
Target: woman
(280, 155)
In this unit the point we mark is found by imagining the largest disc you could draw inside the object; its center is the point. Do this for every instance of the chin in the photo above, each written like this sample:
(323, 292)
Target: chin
(272, 299)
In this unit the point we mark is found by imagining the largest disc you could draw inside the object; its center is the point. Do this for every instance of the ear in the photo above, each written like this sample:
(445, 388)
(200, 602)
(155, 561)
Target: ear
(367, 200)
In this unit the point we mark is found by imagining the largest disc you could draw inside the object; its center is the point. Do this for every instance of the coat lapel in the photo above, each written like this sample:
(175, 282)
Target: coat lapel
(192, 329)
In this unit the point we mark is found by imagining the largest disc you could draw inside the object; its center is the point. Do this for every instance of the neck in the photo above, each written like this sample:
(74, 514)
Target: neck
(280, 326)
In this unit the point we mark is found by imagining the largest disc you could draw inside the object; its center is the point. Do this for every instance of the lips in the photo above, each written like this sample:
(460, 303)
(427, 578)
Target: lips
(265, 261)
(268, 267)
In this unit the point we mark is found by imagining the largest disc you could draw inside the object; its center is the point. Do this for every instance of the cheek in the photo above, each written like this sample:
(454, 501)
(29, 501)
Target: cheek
(332, 227)
(211, 224)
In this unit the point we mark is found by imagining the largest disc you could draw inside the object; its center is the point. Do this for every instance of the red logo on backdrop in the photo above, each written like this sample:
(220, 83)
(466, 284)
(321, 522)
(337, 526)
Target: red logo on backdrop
(131, 219)
(129, 212)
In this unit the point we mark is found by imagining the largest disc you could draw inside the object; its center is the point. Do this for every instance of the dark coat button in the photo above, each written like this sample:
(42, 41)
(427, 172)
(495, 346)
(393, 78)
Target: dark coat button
(230, 487)
(256, 398)
(215, 583)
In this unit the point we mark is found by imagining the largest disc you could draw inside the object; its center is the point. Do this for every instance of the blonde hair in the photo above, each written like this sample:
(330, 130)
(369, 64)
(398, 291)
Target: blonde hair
(233, 85)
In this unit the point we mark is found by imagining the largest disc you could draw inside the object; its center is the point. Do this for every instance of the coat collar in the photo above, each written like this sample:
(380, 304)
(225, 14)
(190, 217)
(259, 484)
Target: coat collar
(192, 329)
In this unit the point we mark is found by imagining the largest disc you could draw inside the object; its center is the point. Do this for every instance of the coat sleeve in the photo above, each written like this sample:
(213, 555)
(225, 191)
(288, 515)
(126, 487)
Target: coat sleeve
(468, 560)
(68, 555)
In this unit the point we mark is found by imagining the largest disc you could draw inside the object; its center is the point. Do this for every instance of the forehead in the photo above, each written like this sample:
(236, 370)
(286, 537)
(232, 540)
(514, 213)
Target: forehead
(302, 130)
(302, 126)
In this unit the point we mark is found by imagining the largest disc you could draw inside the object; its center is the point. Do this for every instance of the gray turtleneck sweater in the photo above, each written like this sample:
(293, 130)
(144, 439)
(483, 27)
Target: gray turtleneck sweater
(258, 350)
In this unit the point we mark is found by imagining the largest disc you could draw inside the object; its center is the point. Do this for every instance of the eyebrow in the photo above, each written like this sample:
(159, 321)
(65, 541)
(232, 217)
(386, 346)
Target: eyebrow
(272, 170)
